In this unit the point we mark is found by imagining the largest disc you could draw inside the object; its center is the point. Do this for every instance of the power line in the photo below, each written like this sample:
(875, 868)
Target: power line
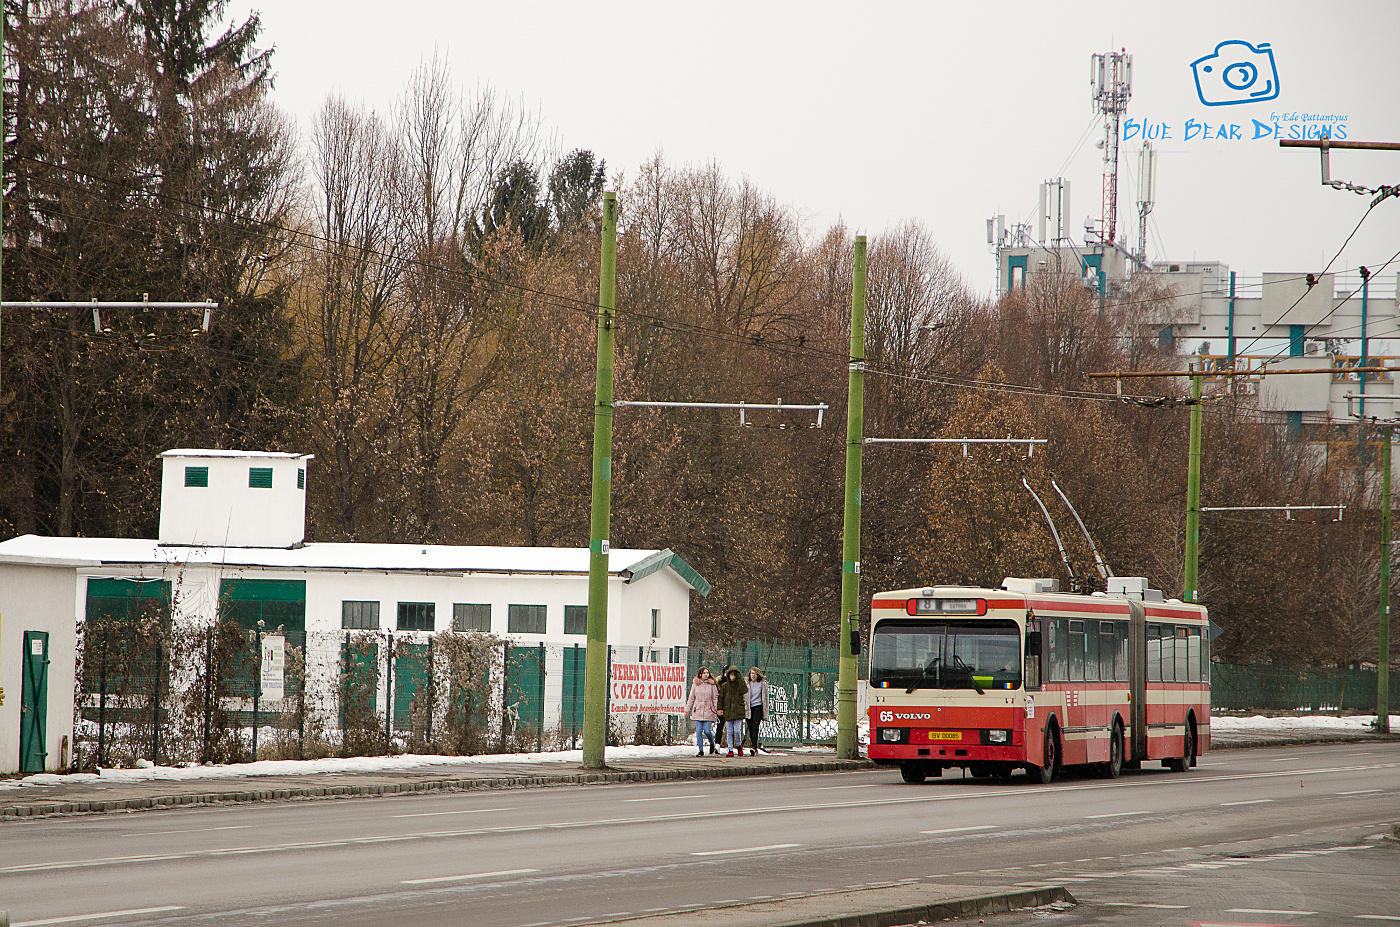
(1314, 280)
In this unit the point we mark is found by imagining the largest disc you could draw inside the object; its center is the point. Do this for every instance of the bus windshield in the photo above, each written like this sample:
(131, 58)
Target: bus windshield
(946, 653)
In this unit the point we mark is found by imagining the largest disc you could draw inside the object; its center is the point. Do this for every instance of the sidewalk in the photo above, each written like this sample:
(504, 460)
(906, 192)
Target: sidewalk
(93, 795)
(87, 794)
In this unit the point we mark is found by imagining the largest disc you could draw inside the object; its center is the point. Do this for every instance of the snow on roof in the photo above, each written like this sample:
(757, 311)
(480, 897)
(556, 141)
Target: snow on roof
(431, 558)
(198, 452)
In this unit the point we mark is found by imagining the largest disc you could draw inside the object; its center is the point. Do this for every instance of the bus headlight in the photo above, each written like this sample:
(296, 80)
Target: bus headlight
(891, 735)
(998, 737)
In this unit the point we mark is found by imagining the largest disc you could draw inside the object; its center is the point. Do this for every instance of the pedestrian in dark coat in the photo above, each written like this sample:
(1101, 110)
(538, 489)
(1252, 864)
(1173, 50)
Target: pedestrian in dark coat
(734, 708)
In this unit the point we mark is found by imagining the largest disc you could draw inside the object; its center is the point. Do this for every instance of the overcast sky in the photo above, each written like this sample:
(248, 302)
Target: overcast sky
(880, 112)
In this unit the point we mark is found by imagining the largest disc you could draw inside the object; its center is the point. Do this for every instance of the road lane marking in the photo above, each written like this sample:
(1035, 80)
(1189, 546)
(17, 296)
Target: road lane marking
(1141, 904)
(196, 830)
(433, 814)
(667, 798)
(1267, 911)
(771, 846)
(1116, 814)
(959, 830)
(993, 795)
(92, 917)
(1361, 792)
(1253, 801)
(470, 875)
(833, 788)
(1378, 917)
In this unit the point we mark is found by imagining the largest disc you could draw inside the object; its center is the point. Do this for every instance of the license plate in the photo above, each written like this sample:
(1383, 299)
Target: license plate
(945, 735)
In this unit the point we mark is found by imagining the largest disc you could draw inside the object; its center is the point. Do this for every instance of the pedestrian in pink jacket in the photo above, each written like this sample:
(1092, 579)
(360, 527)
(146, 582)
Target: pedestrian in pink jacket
(703, 709)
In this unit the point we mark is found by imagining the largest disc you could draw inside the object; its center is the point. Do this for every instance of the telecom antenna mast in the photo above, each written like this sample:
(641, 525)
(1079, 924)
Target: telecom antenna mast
(1112, 77)
(1147, 192)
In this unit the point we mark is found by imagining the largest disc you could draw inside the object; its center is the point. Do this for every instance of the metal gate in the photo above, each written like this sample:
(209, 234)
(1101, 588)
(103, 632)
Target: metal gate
(801, 683)
(34, 703)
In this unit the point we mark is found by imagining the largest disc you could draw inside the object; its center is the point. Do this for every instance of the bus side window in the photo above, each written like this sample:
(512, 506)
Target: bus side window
(1205, 655)
(1120, 657)
(1059, 650)
(1091, 651)
(1168, 653)
(1193, 660)
(1076, 651)
(1154, 653)
(1106, 651)
(1033, 651)
(1184, 662)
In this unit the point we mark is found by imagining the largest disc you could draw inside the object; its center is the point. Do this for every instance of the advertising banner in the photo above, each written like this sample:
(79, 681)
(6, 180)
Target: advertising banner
(647, 688)
(274, 662)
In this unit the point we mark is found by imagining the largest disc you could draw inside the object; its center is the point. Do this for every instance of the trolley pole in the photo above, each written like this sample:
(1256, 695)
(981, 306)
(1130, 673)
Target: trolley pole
(847, 747)
(1193, 493)
(1383, 655)
(595, 691)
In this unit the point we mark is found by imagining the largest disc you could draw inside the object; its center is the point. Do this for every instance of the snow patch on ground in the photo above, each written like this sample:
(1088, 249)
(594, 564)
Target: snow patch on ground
(353, 764)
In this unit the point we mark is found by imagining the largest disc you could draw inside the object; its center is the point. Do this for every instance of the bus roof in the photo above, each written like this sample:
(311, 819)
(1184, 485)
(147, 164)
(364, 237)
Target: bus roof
(1097, 603)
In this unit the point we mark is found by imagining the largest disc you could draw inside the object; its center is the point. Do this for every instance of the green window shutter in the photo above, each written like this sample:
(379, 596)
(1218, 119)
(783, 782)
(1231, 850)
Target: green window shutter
(416, 616)
(471, 617)
(526, 619)
(197, 476)
(301, 477)
(359, 616)
(260, 477)
(575, 619)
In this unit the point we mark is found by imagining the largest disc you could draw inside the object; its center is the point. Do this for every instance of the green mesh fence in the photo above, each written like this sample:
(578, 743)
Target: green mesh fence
(1267, 687)
(802, 681)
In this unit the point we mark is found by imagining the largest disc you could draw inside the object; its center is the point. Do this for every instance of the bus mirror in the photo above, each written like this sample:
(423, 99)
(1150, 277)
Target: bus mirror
(855, 639)
(1033, 642)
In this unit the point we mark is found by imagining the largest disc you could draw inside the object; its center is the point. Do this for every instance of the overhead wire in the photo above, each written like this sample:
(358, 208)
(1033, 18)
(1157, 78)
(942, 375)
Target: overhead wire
(1315, 279)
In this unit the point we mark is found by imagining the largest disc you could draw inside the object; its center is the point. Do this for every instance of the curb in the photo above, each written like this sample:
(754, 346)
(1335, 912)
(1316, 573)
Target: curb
(941, 910)
(1302, 740)
(36, 809)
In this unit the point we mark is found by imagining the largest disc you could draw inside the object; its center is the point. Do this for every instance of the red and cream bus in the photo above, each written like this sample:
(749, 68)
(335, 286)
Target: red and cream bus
(1026, 677)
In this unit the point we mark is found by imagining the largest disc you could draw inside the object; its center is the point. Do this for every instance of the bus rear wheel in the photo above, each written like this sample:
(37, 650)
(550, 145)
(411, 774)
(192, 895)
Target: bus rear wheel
(1188, 751)
(913, 773)
(1114, 767)
(1046, 773)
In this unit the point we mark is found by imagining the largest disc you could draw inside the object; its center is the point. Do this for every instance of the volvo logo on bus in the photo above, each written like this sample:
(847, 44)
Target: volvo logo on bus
(905, 716)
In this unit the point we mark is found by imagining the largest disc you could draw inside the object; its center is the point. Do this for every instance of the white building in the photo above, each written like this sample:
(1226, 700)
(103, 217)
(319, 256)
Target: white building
(232, 543)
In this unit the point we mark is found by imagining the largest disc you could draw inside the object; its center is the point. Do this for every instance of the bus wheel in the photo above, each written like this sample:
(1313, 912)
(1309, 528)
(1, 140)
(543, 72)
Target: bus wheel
(912, 772)
(1188, 751)
(1046, 774)
(1114, 767)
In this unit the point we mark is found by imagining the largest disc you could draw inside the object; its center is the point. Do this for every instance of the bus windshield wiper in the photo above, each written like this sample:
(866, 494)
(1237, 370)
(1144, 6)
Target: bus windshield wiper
(925, 675)
(961, 664)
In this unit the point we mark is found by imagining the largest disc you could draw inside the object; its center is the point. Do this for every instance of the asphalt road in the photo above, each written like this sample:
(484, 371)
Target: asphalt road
(1244, 836)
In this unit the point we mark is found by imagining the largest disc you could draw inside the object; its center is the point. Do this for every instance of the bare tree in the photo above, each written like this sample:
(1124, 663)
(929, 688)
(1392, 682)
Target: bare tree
(351, 278)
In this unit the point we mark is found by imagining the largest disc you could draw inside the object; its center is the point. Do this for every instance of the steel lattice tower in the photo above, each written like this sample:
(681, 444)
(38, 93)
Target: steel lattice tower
(1112, 77)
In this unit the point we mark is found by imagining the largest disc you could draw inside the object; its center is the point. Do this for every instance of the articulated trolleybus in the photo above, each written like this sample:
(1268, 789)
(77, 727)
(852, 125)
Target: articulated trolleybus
(1025, 677)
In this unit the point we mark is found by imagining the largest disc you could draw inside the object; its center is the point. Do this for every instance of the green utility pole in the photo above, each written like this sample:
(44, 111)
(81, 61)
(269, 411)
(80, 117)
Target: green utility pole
(1383, 656)
(595, 690)
(1193, 493)
(847, 747)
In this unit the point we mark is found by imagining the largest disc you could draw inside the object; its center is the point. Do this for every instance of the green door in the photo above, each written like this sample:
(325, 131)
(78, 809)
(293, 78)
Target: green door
(524, 700)
(411, 681)
(34, 702)
(574, 659)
